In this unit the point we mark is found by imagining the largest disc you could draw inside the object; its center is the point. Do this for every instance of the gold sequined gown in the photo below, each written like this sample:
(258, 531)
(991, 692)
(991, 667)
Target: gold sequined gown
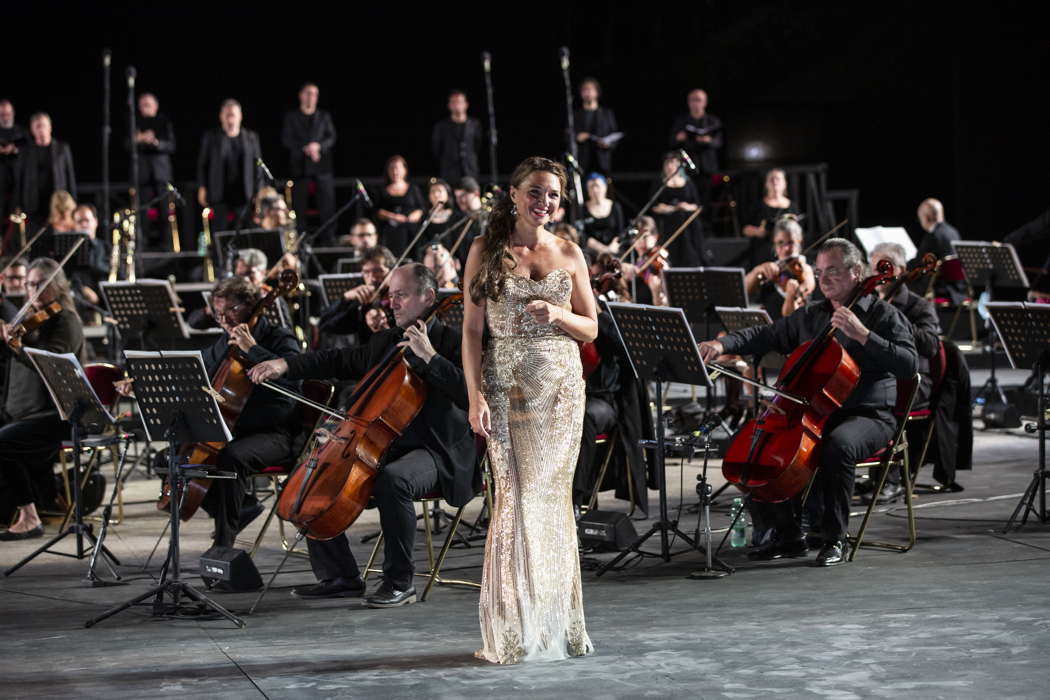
(531, 604)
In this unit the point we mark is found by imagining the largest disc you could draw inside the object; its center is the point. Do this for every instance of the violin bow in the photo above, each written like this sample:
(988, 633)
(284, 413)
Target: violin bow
(22, 252)
(20, 316)
(820, 240)
(651, 257)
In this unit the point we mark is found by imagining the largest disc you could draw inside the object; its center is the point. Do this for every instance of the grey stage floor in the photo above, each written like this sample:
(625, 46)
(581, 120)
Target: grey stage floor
(965, 614)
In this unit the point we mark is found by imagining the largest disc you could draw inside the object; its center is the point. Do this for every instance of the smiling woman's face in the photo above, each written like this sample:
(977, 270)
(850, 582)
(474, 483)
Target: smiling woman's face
(537, 198)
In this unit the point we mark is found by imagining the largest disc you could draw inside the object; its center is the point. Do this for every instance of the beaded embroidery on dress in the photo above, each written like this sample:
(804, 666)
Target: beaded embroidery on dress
(531, 603)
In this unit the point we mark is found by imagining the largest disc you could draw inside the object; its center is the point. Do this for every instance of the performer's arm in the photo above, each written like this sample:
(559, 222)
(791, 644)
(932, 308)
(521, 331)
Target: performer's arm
(473, 329)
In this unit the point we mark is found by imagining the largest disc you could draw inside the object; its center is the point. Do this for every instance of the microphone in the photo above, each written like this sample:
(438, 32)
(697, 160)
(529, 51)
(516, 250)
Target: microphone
(689, 164)
(266, 171)
(573, 163)
(175, 193)
(564, 52)
(486, 60)
(362, 192)
(131, 77)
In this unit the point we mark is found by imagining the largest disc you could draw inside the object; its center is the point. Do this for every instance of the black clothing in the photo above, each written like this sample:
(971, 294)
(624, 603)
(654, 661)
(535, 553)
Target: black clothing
(394, 235)
(939, 242)
(951, 447)
(264, 433)
(685, 250)
(27, 396)
(43, 170)
(1032, 242)
(155, 161)
(606, 228)
(344, 317)
(865, 421)
(455, 147)
(704, 155)
(300, 129)
(226, 168)
(925, 326)
(437, 449)
(761, 249)
(28, 450)
(18, 136)
(596, 122)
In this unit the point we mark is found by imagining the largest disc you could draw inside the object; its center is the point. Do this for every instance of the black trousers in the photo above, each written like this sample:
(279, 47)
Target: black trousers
(599, 417)
(28, 449)
(847, 440)
(410, 476)
(325, 185)
(247, 456)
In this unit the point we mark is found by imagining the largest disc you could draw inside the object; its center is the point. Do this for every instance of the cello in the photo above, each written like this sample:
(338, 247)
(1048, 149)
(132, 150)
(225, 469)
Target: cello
(774, 456)
(326, 493)
(232, 389)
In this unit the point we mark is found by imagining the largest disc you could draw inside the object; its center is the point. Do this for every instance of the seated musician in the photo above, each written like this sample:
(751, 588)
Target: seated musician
(436, 451)
(437, 259)
(32, 431)
(772, 282)
(272, 213)
(363, 236)
(651, 290)
(926, 329)
(877, 337)
(355, 313)
(251, 265)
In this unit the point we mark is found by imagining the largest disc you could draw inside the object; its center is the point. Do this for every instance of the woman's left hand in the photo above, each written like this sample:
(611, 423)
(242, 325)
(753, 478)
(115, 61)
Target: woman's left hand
(544, 312)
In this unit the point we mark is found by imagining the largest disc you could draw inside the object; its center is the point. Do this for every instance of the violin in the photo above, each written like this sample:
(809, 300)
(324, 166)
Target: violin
(233, 388)
(774, 455)
(30, 323)
(326, 493)
(928, 264)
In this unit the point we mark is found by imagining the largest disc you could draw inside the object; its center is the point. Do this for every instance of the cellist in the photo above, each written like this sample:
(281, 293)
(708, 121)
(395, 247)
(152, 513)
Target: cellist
(436, 451)
(880, 341)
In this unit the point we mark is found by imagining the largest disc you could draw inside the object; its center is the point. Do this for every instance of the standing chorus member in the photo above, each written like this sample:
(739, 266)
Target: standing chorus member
(154, 139)
(699, 133)
(455, 140)
(226, 170)
(309, 135)
(593, 123)
(527, 398)
(44, 165)
(13, 138)
(399, 207)
(765, 213)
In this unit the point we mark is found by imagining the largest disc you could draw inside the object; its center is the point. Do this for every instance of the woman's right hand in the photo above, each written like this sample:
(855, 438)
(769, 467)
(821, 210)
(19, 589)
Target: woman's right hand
(480, 417)
(124, 388)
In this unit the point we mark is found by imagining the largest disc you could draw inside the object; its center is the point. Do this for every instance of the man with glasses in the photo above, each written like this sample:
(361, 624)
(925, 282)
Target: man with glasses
(879, 339)
(268, 426)
(436, 450)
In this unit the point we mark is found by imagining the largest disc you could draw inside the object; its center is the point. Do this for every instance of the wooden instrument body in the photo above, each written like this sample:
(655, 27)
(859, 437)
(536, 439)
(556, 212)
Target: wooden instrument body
(774, 456)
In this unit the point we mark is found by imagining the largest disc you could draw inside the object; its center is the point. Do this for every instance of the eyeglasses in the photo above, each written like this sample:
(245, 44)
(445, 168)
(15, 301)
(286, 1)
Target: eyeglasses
(231, 313)
(831, 272)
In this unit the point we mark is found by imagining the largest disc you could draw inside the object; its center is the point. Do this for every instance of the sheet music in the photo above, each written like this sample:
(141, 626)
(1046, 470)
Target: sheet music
(66, 367)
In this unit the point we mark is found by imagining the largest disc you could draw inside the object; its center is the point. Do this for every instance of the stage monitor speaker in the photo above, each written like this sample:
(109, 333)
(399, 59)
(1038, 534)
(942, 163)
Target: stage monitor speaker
(231, 566)
(605, 530)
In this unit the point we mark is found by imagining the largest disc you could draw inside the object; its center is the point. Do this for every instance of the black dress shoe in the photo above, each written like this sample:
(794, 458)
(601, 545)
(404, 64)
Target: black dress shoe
(954, 487)
(8, 536)
(833, 554)
(779, 550)
(333, 588)
(890, 493)
(387, 596)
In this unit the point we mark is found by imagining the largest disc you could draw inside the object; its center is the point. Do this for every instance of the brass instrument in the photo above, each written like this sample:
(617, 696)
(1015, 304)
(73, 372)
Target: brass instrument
(288, 186)
(130, 225)
(204, 245)
(173, 225)
(18, 218)
(114, 255)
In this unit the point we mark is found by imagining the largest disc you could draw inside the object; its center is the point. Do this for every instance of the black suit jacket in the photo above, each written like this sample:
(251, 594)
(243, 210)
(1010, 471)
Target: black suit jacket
(592, 157)
(705, 155)
(456, 159)
(30, 196)
(155, 161)
(210, 164)
(447, 433)
(297, 131)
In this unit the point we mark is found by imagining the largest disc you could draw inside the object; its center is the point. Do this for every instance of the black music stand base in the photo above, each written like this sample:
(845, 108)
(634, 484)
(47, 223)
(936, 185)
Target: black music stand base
(703, 525)
(78, 528)
(665, 526)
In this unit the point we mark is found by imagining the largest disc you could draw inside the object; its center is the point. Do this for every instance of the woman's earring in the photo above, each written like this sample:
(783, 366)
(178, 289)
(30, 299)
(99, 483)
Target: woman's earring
(513, 209)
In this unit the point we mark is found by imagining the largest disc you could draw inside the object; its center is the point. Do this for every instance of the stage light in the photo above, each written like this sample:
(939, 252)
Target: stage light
(756, 151)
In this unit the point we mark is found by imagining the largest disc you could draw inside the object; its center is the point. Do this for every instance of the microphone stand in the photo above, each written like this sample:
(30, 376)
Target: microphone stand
(486, 62)
(577, 201)
(106, 132)
(301, 246)
(133, 128)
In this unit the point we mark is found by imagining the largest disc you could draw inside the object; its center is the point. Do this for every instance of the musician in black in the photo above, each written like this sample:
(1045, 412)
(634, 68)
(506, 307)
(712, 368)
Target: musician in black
(455, 141)
(45, 165)
(357, 312)
(593, 123)
(878, 338)
(937, 238)
(436, 452)
(13, 139)
(154, 139)
(32, 431)
(309, 135)
(226, 168)
(468, 201)
(699, 133)
(266, 432)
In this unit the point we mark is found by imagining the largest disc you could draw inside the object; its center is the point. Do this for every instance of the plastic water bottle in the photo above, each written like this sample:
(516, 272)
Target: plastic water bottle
(738, 536)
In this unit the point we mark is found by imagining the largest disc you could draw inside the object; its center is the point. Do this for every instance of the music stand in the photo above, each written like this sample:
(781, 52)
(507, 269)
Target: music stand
(698, 290)
(177, 405)
(64, 242)
(1024, 330)
(660, 347)
(77, 404)
(270, 241)
(327, 258)
(145, 308)
(333, 286)
(454, 315)
(348, 265)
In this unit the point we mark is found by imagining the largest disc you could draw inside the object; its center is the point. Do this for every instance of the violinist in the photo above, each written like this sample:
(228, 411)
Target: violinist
(363, 235)
(436, 451)
(652, 291)
(359, 311)
(251, 265)
(784, 284)
(437, 259)
(879, 340)
(263, 435)
(32, 431)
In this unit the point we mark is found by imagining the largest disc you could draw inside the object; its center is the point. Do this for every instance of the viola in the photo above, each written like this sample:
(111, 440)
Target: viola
(326, 492)
(774, 455)
(233, 389)
(928, 264)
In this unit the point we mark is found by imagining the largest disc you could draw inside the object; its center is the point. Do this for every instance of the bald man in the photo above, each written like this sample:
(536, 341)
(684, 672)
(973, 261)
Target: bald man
(937, 240)
(699, 133)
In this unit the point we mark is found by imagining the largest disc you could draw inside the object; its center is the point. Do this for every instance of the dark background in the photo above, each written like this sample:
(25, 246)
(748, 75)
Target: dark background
(902, 102)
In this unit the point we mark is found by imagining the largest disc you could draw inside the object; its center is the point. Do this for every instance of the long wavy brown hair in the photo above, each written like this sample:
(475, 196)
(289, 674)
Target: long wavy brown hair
(496, 260)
